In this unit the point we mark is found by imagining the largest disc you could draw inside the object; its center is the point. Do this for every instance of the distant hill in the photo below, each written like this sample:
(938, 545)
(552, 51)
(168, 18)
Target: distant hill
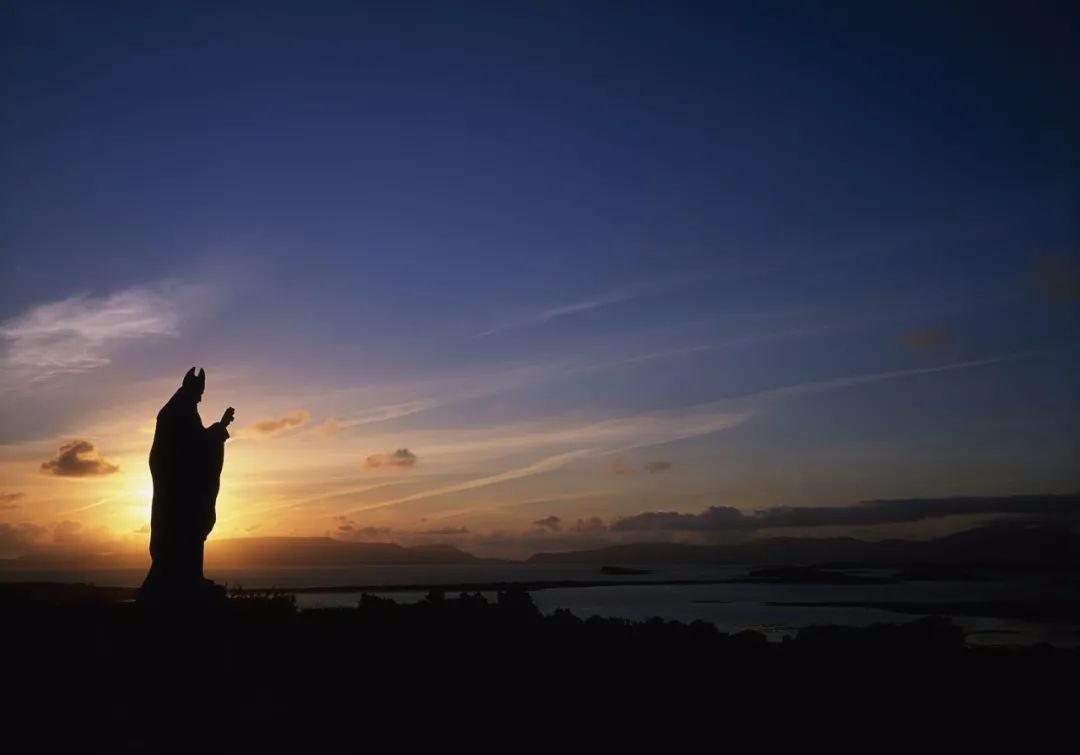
(1003, 544)
(325, 551)
(262, 551)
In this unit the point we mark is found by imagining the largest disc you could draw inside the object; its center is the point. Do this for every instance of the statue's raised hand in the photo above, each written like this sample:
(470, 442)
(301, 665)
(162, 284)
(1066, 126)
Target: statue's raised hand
(228, 416)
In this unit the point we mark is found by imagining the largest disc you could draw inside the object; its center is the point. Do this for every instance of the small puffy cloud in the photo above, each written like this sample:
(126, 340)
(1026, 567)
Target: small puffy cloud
(550, 523)
(592, 526)
(713, 518)
(16, 539)
(24, 533)
(67, 531)
(78, 458)
(277, 425)
(447, 531)
(351, 531)
(403, 458)
(657, 466)
(928, 339)
(66, 537)
(1057, 276)
(373, 531)
(7, 501)
(516, 544)
(328, 428)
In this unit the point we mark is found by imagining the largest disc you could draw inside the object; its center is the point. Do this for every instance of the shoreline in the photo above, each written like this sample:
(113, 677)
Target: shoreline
(470, 587)
(1062, 611)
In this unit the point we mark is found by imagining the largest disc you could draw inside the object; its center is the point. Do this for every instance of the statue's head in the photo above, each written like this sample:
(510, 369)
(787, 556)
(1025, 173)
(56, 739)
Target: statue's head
(194, 384)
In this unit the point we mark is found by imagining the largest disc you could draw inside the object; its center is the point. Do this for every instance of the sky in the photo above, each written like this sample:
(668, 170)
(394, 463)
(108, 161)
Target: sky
(509, 276)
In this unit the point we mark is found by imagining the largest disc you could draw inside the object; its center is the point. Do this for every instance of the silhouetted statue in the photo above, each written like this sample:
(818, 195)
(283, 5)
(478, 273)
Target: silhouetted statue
(185, 463)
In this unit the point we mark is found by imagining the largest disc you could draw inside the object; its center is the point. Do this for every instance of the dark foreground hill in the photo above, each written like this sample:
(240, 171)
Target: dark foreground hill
(255, 675)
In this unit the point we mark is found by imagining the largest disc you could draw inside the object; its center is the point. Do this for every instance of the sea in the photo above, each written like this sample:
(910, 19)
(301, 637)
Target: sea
(732, 607)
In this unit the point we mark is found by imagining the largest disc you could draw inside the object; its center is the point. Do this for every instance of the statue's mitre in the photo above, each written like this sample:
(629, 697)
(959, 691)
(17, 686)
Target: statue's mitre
(196, 382)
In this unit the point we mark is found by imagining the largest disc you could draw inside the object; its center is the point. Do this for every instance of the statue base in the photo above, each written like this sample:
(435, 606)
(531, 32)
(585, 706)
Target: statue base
(201, 591)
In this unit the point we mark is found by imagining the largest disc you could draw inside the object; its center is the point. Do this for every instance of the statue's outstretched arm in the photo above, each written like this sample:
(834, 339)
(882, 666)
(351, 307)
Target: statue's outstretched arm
(214, 454)
(219, 430)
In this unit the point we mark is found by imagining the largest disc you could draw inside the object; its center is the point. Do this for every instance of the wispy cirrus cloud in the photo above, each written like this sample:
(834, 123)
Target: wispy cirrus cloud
(624, 434)
(599, 301)
(605, 436)
(438, 393)
(799, 390)
(539, 467)
(455, 390)
(552, 313)
(560, 442)
(81, 332)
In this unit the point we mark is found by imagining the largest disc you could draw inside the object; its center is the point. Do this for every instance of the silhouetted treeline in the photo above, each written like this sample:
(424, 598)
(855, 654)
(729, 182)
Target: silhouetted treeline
(255, 675)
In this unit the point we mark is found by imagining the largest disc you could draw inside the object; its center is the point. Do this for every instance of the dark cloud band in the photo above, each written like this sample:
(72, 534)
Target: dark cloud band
(867, 513)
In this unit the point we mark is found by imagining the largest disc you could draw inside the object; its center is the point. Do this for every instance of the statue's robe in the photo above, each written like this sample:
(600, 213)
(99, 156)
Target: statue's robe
(185, 463)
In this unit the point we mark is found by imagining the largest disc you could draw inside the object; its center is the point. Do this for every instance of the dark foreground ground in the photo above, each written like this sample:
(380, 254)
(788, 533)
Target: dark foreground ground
(87, 673)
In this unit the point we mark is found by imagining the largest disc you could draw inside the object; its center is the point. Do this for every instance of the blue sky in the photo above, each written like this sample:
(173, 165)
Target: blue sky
(852, 228)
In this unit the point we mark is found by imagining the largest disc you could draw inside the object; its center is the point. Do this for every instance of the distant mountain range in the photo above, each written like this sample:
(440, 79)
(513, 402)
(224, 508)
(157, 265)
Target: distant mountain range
(262, 552)
(325, 551)
(1002, 544)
